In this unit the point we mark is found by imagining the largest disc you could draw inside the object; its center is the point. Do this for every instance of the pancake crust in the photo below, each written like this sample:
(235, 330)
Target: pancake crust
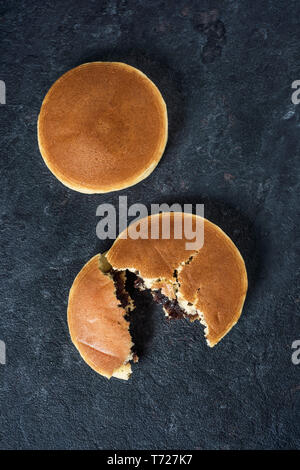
(214, 280)
(96, 322)
(153, 259)
(102, 127)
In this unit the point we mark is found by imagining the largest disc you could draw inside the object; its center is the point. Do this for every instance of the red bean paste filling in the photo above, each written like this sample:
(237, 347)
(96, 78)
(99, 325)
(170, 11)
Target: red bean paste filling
(171, 306)
(121, 292)
(124, 299)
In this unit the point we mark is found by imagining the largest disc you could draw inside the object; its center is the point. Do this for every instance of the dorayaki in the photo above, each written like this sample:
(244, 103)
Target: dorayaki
(205, 282)
(102, 127)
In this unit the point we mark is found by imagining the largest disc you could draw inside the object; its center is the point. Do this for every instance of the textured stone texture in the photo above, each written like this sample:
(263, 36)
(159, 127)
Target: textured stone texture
(234, 145)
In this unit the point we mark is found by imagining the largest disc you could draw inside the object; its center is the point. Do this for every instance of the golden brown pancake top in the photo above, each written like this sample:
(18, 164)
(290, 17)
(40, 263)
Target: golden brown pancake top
(215, 282)
(96, 321)
(102, 127)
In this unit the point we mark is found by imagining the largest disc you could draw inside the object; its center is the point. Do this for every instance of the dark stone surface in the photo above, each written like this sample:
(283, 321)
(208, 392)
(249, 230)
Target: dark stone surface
(234, 145)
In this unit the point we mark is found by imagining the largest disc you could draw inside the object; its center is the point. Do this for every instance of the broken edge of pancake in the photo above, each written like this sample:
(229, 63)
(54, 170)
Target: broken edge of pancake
(124, 372)
(176, 307)
(127, 304)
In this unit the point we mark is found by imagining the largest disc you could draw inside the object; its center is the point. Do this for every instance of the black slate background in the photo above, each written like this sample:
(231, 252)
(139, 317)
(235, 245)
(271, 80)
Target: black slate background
(234, 146)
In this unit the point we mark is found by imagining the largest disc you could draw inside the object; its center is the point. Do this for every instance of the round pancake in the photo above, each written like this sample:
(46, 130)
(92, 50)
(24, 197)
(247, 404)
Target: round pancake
(212, 278)
(102, 127)
(96, 322)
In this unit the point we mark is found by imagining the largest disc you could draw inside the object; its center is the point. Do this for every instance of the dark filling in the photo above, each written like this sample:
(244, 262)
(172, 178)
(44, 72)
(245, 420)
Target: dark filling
(139, 283)
(121, 293)
(171, 306)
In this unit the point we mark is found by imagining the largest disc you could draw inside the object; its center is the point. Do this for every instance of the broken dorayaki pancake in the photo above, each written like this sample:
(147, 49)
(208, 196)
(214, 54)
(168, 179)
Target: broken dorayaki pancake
(208, 282)
(102, 127)
(97, 323)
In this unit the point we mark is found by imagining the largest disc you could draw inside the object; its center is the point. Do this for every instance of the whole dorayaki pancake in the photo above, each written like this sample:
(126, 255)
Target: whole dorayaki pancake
(96, 322)
(209, 282)
(102, 127)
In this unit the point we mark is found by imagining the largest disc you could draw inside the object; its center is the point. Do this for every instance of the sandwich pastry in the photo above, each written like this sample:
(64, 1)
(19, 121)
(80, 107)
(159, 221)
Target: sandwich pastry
(102, 127)
(207, 283)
